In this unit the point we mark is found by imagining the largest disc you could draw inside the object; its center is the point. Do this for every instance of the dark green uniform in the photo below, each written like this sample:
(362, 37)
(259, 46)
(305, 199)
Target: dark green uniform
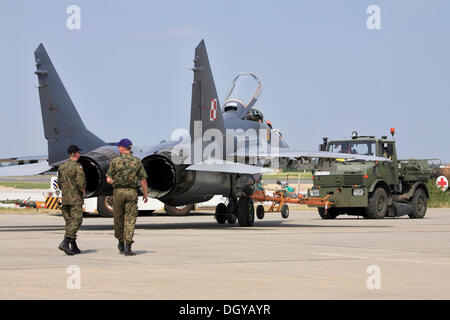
(72, 182)
(127, 172)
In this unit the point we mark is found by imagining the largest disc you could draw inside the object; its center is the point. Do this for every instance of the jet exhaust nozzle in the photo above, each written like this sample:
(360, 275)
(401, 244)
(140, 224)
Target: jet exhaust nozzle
(95, 166)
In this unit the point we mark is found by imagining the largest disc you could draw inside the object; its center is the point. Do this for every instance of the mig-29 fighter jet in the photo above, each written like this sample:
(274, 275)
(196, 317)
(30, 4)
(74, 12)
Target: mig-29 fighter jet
(225, 151)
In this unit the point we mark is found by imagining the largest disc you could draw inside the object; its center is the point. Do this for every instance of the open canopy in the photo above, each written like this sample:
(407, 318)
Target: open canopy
(244, 90)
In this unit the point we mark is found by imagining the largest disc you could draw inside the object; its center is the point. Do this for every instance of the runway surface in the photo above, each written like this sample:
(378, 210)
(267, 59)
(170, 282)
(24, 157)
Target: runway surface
(193, 257)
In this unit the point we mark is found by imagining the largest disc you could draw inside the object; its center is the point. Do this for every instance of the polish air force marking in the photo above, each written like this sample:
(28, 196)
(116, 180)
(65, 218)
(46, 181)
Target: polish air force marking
(213, 110)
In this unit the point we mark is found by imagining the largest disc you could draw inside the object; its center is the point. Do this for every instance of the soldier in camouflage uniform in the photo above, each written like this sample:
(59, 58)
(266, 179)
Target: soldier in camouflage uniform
(126, 173)
(72, 183)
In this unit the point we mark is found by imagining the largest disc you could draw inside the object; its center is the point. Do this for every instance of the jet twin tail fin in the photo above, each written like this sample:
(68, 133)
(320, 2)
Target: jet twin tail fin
(205, 106)
(62, 123)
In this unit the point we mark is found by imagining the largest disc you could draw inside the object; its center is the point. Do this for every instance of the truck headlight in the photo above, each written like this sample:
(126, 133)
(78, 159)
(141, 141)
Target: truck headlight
(358, 192)
(314, 192)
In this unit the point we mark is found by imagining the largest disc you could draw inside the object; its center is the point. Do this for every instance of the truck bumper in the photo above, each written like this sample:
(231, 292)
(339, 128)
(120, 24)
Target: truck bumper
(343, 198)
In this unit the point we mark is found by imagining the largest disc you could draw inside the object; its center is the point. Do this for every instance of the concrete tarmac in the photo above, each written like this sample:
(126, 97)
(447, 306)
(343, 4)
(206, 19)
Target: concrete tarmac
(302, 257)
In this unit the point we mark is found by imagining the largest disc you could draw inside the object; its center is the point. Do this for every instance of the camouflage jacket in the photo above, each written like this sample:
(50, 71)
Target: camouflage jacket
(72, 182)
(126, 171)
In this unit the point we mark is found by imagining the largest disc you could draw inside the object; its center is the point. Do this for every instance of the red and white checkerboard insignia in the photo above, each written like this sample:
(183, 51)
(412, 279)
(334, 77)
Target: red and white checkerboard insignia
(213, 110)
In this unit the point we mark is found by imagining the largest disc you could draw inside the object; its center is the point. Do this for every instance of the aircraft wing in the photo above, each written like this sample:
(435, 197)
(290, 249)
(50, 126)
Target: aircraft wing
(290, 153)
(24, 166)
(24, 159)
(25, 169)
(213, 165)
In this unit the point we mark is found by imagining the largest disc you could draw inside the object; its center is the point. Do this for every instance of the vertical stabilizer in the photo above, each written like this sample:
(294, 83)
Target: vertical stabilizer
(62, 123)
(205, 106)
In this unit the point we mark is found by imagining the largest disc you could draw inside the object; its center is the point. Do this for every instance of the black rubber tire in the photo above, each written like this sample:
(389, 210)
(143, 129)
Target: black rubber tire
(285, 211)
(329, 214)
(245, 212)
(419, 204)
(105, 206)
(260, 212)
(232, 212)
(377, 207)
(178, 211)
(221, 213)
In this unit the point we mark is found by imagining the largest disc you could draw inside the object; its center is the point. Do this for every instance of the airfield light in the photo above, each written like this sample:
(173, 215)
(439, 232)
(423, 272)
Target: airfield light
(354, 134)
(392, 131)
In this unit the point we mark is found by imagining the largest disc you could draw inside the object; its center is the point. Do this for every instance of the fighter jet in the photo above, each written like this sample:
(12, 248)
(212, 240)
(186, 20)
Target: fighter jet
(225, 151)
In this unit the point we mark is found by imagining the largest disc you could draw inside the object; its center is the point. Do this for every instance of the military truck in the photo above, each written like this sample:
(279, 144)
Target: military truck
(372, 189)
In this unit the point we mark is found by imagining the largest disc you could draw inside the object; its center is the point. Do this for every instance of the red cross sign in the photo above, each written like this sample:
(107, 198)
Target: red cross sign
(442, 183)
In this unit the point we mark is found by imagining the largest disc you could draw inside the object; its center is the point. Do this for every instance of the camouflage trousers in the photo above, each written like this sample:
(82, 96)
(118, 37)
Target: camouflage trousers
(125, 213)
(73, 215)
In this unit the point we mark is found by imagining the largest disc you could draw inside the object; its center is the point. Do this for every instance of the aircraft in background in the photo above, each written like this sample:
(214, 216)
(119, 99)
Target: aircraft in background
(24, 166)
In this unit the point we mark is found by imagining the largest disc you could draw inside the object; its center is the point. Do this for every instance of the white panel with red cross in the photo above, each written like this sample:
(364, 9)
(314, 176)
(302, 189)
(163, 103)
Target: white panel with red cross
(442, 183)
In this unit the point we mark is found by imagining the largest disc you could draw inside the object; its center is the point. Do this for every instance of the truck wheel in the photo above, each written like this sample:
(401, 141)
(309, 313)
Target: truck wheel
(377, 206)
(105, 206)
(419, 204)
(178, 211)
(246, 212)
(260, 212)
(329, 214)
(221, 211)
(285, 211)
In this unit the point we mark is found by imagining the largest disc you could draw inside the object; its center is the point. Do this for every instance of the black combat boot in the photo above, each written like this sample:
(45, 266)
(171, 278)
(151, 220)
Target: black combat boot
(121, 247)
(128, 251)
(64, 246)
(73, 245)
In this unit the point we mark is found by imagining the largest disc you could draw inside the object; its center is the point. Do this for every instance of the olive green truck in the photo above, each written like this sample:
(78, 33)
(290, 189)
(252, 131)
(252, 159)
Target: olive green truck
(372, 189)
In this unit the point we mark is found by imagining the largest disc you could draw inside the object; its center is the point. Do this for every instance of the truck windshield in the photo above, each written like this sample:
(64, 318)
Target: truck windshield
(353, 147)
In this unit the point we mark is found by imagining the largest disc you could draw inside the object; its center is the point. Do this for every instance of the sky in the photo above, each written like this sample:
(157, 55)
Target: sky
(324, 72)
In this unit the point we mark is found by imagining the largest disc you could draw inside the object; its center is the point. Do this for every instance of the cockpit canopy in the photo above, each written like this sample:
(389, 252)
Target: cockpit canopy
(243, 93)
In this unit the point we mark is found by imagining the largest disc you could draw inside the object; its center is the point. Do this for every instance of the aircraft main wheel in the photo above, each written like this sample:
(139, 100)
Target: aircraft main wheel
(419, 204)
(221, 213)
(285, 211)
(232, 212)
(231, 219)
(260, 212)
(377, 206)
(178, 211)
(328, 214)
(105, 206)
(246, 212)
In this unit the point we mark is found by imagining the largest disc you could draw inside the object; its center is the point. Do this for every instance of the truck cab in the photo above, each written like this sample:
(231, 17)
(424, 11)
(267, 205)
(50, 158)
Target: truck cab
(372, 189)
